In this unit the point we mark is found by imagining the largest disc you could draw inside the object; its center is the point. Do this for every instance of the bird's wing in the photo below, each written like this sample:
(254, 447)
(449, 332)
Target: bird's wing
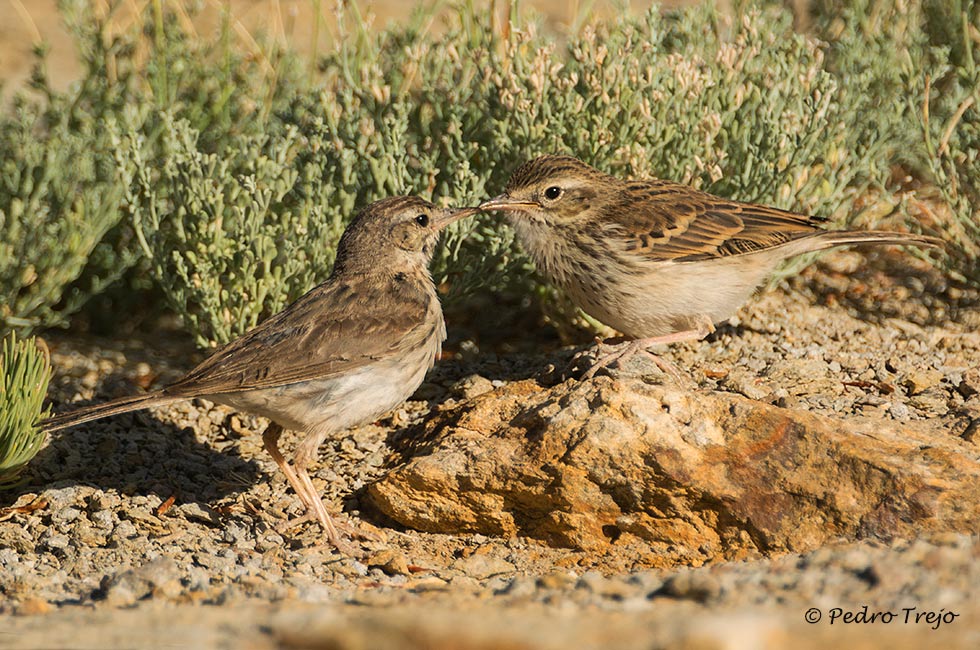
(332, 329)
(664, 221)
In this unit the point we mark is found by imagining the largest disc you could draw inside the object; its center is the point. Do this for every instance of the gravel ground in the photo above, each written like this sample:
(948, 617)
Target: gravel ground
(131, 523)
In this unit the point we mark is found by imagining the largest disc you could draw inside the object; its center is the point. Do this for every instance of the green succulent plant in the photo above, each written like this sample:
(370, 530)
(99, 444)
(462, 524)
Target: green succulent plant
(24, 374)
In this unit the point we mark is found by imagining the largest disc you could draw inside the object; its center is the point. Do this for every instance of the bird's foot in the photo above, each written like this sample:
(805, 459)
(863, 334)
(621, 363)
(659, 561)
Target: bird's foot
(346, 530)
(621, 352)
(336, 532)
(592, 350)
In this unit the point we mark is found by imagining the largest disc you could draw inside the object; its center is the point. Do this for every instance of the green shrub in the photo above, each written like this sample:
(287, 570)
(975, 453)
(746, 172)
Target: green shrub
(58, 199)
(24, 374)
(951, 127)
(908, 69)
(62, 236)
(873, 48)
(231, 236)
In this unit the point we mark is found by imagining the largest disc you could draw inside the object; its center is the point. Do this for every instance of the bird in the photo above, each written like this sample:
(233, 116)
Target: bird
(343, 354)
(656, 260)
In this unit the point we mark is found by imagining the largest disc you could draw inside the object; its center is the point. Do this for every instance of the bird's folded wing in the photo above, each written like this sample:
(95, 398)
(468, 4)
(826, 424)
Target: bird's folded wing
(673, 222)
(330, 330)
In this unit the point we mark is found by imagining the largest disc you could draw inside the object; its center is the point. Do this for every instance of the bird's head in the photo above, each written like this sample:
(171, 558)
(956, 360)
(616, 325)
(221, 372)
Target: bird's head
(552, 190)
(397, 233)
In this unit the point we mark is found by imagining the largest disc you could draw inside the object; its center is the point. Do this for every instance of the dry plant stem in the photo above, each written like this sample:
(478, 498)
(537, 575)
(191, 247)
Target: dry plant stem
(951, 127)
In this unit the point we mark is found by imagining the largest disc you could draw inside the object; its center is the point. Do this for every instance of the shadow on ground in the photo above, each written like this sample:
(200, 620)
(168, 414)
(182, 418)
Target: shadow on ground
(138, 454)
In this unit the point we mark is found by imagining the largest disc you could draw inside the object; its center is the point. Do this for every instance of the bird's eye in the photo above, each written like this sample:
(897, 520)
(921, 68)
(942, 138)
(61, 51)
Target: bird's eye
(552, 192)
(422, 220)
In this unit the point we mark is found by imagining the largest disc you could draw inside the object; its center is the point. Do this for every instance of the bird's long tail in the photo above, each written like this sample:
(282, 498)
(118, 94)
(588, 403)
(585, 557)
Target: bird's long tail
(97, 411)
(830, 238)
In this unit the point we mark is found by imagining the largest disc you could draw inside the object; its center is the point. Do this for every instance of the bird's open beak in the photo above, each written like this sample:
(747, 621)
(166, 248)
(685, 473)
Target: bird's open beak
(450, 216)
(505, 203)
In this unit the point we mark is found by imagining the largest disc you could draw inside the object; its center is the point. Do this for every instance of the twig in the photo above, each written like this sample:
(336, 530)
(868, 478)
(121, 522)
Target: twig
(953, 121)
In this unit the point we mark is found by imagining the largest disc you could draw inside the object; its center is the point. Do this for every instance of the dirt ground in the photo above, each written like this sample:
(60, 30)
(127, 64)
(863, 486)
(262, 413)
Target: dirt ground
(160, 528)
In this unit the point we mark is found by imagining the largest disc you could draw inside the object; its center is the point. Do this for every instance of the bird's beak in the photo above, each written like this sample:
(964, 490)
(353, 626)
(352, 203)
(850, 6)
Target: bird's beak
(450, 215)
(505, 203)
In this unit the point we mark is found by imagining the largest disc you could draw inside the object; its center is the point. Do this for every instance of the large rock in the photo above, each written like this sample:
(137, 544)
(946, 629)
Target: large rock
(695, 476)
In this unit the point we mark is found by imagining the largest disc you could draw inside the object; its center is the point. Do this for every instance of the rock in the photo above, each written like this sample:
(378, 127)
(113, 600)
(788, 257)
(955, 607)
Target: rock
(698, 586)
(919, 381)
(746, 383)
(967, 423)
(236, 425)
(600, 585)
(102, 519)
(520, 587)
(34, 607)
(694, 476)
(125, 530)
(54, 541)
(899, 411)
(471, 386)
(483, 566)
(158, 577)
(64, 516)
(193, 511)
(932, 402)
(83, 532)
(428, 583)
(352, 568)
(970, 384)
(391, 561)
(558, 580)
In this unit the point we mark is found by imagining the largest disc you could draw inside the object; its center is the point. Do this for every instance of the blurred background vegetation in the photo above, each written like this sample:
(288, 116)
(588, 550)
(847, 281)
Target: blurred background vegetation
(201, 160)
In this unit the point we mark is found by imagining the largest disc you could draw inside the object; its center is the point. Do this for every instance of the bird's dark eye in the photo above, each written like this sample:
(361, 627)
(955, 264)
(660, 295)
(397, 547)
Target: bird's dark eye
(552, 192)
(422, 220)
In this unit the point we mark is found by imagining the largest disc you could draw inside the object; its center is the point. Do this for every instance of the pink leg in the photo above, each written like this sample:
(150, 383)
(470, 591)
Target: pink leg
(302, 485)
(622, 353)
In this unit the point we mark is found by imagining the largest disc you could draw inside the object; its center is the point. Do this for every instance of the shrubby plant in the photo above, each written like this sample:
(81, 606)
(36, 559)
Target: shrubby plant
(231, 236)
(58, 200)
(908, 68)
(24, 374)
(62, 235)
(950, 125)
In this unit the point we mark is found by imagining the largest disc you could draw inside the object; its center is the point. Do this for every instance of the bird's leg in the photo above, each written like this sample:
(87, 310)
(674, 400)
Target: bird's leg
(318, 509)
(306, 451)
(622, 353)
(270, 440)
(301, 484)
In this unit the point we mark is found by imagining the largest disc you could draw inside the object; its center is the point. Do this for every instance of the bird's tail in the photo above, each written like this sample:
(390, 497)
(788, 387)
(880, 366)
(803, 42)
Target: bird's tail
(831, 238)
(97, 411)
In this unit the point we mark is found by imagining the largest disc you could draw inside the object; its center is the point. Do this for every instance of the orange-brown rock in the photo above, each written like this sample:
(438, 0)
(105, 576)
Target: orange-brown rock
(695, 476)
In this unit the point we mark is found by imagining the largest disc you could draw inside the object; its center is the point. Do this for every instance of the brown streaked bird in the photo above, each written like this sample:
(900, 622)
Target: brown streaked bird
(658, 261)
(345, 353)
